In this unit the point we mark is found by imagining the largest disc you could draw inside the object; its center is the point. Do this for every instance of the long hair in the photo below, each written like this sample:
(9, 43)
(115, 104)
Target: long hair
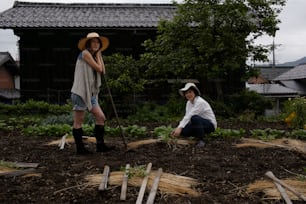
(87, 45)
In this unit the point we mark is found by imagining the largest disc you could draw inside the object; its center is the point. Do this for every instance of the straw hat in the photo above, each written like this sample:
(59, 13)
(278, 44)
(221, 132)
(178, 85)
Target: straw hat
(104, 41)
(187, 87)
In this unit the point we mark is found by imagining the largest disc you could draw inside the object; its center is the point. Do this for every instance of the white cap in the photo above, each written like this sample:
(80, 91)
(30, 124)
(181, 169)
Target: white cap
(188, 86)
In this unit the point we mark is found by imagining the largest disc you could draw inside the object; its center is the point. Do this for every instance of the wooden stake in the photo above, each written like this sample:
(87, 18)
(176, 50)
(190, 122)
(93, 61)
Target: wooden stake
(144, 185)
(283, 193)
(125, 182)
(103, 184)
(298, 194)
(154, 187)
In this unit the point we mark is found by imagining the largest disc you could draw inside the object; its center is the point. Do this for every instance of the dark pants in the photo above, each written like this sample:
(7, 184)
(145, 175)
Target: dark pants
(198, 127)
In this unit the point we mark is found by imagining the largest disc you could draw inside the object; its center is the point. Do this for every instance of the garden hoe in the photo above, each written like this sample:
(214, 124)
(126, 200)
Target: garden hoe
(115, 111)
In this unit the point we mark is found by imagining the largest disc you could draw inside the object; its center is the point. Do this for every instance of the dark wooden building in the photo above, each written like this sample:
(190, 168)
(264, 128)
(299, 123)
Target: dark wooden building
(49, 33)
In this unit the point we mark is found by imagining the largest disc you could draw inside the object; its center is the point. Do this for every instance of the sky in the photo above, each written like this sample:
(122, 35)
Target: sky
(290, 39)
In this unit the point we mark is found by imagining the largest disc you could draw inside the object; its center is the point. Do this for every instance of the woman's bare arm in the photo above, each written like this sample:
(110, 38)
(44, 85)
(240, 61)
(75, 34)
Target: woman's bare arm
(96, 65)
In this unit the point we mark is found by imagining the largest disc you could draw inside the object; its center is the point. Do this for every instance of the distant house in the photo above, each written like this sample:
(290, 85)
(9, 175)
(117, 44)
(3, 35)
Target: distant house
(279, 83)
(267, 73)
(49, 33)
(9, 78)
(294, 79)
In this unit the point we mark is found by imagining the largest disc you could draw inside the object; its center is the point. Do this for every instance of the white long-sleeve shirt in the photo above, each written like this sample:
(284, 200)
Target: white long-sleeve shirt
(198, 107)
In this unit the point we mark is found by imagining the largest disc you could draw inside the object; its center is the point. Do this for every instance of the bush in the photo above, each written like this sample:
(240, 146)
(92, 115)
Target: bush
(31, 107)
(249, 101)
(150, 112)
(294, 112)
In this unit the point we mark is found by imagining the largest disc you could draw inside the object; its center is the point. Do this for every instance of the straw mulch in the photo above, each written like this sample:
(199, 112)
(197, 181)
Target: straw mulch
(69, 140)
(289, 144)
(7, 170)
(131, 145)
(4, 169)
(136, 144)
(270, 190)
(168, 184)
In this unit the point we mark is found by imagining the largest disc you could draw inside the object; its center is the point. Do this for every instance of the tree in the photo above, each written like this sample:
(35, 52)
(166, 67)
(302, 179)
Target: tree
(210, 40)
(124, 78)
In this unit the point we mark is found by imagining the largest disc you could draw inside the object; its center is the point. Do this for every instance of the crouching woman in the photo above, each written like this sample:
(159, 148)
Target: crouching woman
(199, 119)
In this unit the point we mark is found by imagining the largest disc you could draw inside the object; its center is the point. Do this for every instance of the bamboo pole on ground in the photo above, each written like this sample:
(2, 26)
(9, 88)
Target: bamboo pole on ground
(103, 184)
(125, 182)
(283, 193)
(144, 185)
(298, 194)
(154, 187)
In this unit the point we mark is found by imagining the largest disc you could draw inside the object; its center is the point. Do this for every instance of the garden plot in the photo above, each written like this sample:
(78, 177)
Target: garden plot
(222, 171)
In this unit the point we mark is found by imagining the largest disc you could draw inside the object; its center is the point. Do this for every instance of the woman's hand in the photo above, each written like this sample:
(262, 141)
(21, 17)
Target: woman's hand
(100, 61)
(97, 64)
(176, 132)
(98, 54)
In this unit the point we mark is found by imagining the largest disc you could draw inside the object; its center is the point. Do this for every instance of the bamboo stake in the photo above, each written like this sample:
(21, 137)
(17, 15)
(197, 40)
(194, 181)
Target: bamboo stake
(283, 193)
(144, 185)
(298, 194)
(125, 182)
(154, 187)
(103, 184)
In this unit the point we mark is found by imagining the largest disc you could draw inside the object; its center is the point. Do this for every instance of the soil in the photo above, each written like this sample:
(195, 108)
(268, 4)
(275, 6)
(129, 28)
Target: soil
(223, 170)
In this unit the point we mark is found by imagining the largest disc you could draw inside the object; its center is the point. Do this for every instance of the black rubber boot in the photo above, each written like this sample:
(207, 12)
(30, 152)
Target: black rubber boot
(77, 134)
(99, 134)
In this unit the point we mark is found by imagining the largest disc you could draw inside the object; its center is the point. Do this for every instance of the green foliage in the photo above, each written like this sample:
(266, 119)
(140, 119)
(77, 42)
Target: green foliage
(137, 171)
(298, 134)
(267, 134)
(31, 107)
(65, 119)
(124, 75)
(175, 105)
(297, 106)
(13, 123)
(227, 133)
(163, 133)
(249, 101)
(109, 131)
(135, 131)
(47, 130)
(55, 130)
(221, 109)
(210, 40)
(150, 112)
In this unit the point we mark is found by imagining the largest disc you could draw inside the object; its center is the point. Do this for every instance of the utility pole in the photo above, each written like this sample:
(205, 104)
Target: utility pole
(273, 54)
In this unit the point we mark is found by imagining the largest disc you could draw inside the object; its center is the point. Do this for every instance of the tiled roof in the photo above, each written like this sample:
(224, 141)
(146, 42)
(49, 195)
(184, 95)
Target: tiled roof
(271, 89)
(85, 15)
(298, 72)
(271, 73)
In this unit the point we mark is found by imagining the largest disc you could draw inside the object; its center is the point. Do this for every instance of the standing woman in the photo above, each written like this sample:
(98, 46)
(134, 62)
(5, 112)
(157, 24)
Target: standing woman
(85, 89)
(199, 119)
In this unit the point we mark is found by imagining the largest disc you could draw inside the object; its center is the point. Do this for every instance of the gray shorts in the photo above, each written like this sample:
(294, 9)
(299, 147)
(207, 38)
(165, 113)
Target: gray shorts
(79, 104)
